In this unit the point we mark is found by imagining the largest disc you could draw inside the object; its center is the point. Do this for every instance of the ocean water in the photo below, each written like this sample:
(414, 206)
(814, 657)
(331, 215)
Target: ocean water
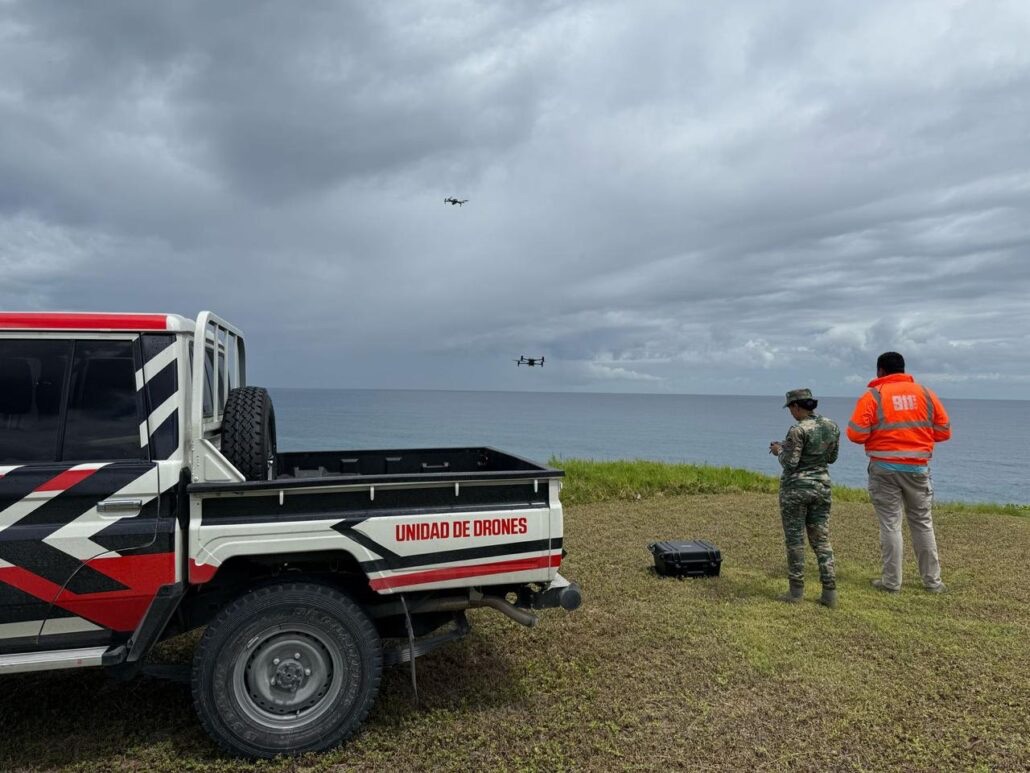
(987, 460)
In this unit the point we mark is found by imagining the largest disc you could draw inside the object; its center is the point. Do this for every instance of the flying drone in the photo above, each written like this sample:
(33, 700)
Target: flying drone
(451, 200)
(530, 361)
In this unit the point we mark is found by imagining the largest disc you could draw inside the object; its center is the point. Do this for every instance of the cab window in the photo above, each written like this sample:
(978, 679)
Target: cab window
(33, 374)
(103, 421)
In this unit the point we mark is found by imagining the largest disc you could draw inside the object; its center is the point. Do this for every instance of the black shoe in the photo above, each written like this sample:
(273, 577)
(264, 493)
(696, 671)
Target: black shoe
(878, 584)
(794, 595)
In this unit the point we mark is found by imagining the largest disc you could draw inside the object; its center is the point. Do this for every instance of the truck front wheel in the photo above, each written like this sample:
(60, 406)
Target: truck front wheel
(286, 669)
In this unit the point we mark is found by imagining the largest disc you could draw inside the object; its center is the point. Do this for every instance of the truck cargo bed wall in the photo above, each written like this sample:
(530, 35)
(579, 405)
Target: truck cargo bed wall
(405, 461)
(299, 505)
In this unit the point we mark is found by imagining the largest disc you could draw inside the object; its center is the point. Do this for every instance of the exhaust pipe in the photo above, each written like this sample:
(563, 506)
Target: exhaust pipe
(520, 616)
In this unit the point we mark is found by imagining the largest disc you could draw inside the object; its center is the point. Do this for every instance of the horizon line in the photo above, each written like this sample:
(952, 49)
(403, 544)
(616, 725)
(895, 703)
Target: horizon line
(592, 392)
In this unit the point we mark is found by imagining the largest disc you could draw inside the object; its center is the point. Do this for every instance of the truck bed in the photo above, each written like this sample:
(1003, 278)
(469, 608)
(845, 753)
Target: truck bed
(362, 501)
(416, 462)
(301, 469)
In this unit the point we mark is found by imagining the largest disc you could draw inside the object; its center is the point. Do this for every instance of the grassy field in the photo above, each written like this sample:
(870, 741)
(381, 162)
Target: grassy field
(590, 481)
(653, 673)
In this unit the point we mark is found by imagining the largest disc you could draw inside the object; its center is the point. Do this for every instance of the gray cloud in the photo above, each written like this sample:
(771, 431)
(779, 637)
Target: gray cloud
(663, 196)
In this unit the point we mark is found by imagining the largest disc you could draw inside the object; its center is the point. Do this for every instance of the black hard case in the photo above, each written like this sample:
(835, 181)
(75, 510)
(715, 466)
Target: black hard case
(695, 558)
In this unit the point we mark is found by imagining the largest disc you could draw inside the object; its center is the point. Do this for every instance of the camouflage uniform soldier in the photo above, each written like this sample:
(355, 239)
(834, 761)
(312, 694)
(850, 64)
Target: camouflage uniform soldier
(805, 496)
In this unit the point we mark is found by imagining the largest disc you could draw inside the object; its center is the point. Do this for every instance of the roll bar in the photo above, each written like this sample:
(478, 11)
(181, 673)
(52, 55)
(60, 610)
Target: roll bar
(219, 364)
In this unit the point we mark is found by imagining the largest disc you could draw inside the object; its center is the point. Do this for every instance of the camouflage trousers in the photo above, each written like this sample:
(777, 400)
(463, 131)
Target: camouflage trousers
(807, 510)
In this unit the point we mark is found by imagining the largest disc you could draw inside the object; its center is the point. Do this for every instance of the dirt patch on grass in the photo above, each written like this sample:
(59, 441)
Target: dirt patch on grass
(651, 673)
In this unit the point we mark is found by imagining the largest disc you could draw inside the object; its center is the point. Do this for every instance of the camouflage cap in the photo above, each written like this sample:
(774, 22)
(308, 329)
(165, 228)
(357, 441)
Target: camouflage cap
(798, 394)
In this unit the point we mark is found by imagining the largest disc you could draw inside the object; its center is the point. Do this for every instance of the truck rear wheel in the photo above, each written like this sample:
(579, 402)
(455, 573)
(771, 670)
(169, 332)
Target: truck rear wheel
(286, 669)
(248, 431)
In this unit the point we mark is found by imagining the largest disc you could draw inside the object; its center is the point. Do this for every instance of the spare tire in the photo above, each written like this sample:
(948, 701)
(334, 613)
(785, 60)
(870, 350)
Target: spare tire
(248, 432)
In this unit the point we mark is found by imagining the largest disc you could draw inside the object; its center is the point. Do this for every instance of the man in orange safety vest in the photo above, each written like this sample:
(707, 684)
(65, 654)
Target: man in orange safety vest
(898, 421)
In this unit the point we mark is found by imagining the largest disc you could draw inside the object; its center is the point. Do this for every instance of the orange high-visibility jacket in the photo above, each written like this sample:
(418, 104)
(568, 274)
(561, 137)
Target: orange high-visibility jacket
(898, 421)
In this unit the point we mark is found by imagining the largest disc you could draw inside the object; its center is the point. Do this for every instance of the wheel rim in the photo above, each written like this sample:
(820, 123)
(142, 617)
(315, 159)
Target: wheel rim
(288, 678)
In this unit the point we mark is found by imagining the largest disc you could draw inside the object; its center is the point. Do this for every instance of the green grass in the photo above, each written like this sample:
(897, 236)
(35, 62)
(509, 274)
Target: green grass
(651, 673)
(593, 481)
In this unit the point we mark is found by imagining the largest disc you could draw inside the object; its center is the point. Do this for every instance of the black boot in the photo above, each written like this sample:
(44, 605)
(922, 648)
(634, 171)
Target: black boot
(829, 597)
(795, 594)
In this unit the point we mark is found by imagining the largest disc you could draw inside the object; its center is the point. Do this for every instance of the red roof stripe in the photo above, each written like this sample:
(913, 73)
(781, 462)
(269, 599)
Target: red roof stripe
(35, 320)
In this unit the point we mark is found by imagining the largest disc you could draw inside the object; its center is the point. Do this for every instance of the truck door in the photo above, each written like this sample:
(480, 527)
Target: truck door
(81, 511)
(32, 375)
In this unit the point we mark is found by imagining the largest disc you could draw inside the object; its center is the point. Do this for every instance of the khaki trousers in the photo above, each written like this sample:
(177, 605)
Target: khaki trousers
(892, 494)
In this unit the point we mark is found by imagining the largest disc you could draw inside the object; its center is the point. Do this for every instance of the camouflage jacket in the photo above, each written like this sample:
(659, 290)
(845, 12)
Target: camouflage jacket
(809, 447)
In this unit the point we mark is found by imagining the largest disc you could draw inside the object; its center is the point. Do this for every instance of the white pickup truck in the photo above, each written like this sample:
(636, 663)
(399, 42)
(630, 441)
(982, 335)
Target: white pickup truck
(142, 495)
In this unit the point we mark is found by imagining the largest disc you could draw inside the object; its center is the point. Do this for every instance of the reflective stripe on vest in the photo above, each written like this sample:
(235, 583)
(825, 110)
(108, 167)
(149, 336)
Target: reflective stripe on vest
(881, 418)
(899, 454)
(929, 406)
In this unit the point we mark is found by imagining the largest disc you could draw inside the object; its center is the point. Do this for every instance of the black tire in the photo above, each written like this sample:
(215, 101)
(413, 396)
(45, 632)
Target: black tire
(248, 431)
(286, 669)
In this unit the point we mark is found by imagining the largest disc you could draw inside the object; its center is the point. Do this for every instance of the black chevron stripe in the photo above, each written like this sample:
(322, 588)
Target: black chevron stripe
(73, 502)
(17, 606)
(22, 543)
(164, 440)
(140, 539)
(29, 552)
(19, 483)
(162, 385)
(153, 344)
(152, 531)
(85, 579)
(159, 388)
(346, 528)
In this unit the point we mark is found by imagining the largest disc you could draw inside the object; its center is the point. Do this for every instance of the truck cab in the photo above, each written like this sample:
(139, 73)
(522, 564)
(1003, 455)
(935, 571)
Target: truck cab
(90, 461)
(142, 495)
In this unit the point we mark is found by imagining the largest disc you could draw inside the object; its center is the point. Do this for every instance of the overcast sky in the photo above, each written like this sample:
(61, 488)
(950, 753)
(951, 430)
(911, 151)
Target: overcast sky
(669, 196)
